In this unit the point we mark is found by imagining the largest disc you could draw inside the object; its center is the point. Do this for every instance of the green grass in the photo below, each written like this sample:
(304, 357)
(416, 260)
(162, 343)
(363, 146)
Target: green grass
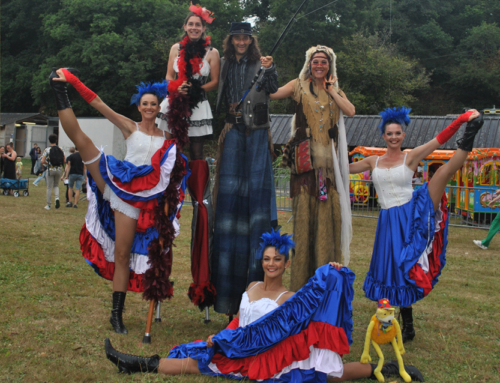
(55, 309)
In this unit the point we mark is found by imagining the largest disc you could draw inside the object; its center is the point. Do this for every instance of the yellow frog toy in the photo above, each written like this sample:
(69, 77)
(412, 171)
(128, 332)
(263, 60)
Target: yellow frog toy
(384, 328)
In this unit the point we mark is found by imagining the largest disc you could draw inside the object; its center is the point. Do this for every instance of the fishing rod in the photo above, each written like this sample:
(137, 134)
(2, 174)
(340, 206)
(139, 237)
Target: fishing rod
(272, 51)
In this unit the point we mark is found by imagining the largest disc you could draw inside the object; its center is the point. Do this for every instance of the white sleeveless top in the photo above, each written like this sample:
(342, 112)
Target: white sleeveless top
(251, 311)
(393, 185)
(141, 147)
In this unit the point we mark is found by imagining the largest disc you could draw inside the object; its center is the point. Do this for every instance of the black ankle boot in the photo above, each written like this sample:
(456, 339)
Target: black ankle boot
(127, 363)
(116, 314)
(407, 329)
(472, 128)
(60, 89)
(392, 369)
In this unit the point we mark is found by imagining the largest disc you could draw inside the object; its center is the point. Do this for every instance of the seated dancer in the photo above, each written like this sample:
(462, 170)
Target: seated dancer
(244, 196)
(277, 335)
(187, 106)
(410, 241)
(128, 200)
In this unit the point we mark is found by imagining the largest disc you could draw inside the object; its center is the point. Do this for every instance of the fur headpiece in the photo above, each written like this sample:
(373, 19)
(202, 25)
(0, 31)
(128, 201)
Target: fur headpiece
(305, 74)
(282, 243)
(158, 88)
(400, 116)
(202, 12)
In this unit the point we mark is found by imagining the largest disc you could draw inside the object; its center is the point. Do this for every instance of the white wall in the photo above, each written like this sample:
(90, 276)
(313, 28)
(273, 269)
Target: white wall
(103, 133)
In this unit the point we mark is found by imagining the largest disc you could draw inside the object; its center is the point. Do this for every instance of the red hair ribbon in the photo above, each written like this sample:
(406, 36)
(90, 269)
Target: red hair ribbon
(202, 12)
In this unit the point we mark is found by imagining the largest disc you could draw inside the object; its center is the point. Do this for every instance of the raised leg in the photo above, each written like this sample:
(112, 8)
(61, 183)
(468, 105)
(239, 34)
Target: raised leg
(444, 174)
(401, 365)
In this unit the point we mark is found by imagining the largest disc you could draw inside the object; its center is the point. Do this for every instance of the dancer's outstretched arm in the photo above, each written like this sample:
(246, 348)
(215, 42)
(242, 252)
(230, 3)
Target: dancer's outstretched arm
(125, 124)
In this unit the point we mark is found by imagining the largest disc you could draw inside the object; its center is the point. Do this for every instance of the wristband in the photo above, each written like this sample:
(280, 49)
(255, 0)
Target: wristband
(451, 129)
(85, 92)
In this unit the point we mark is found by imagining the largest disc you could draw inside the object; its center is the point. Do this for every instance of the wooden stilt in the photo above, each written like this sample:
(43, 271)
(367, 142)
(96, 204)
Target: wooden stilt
(147, 335)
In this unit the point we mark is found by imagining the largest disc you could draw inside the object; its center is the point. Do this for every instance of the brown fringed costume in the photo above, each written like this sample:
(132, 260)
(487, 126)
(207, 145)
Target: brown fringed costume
(317, 224)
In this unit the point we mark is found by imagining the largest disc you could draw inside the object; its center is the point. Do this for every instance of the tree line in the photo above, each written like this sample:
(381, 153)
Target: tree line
(435, 56)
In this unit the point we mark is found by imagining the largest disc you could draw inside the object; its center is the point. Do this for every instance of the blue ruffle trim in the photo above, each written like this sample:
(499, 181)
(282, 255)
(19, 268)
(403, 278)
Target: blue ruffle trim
(419, 233)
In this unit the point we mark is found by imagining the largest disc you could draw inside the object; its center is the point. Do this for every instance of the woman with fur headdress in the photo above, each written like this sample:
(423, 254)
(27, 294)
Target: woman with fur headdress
(317, 156)
(410, 242)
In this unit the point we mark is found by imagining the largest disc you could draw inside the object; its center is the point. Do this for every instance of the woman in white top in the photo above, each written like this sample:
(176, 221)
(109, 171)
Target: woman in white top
(123, 195)
(410, 242)
(196, 81)
(272, 340)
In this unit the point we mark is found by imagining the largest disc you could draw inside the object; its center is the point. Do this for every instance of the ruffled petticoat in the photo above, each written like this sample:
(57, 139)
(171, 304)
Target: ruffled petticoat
(300, 341)
(134, 191)
(200, 120)
(409, 251)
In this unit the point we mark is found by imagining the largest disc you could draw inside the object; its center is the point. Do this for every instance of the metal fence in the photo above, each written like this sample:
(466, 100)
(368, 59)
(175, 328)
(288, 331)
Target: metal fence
(464, 204)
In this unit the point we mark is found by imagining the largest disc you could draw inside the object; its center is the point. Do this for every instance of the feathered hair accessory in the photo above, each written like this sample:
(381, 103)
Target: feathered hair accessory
(400, 116)
(282, 243)
(158, 88)
(202, 12)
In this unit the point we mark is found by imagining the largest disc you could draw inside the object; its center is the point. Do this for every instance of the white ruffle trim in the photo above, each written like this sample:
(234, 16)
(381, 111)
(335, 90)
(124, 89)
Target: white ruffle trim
(138, 262)
(423, 261)
(321, 360)
(202, 111)
(165, 171)
(118, 204)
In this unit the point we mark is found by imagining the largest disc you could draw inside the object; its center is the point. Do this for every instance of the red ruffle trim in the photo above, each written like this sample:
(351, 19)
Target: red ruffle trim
(292, 349)
(92, 251)
(149, 181)
(416, 273)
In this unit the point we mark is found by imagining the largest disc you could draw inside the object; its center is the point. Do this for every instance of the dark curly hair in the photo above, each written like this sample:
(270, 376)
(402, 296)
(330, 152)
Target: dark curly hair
(253, 49)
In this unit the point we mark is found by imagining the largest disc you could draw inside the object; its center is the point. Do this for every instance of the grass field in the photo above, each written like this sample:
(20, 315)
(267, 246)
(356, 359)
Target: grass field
(55, 309)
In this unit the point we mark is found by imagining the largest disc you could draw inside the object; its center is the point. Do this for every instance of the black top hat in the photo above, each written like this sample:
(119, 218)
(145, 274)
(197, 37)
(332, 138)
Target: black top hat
(240, 29)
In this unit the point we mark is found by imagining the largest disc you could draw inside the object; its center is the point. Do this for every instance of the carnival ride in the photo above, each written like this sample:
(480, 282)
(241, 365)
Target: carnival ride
(469, 192)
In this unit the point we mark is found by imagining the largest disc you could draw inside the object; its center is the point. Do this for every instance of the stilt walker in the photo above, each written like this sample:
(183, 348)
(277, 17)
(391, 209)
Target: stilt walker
(187, 112)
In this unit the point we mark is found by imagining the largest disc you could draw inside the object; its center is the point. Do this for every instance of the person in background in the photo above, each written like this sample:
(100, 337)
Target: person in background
(39, 168)
(34, 157)
(2, 151)
(9, 165)
(19, 168)
(76, 173)
(495, 225)
(53, 157)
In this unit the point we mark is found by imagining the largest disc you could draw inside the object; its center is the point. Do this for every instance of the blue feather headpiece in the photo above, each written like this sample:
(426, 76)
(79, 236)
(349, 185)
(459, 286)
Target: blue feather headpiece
(157, 88)
(282, 243)
(400, 116)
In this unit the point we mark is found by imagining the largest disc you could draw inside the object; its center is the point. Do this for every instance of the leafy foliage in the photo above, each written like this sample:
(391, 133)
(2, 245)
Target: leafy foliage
(433, 55)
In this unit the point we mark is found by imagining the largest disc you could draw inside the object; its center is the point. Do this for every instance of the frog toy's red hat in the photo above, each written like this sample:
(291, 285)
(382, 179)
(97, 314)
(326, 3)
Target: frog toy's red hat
(202, 12)
(384, 304)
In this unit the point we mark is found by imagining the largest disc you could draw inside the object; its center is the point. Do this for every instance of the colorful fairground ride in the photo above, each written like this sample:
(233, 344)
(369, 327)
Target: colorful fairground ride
(469, 192)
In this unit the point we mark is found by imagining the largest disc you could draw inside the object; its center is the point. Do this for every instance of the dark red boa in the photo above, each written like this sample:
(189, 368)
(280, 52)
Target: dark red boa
(190, 61)
(157, 285)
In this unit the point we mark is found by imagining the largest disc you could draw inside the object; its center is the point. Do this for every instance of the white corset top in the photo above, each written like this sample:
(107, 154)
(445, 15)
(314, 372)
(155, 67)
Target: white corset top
(393, 185)
(251, 311)
(141, 147)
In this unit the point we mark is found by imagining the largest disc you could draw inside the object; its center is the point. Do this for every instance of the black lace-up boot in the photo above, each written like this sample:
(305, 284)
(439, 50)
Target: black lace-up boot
(129, 364)
(467, 141)
(116, 313)
(60, 89)
(407, 329)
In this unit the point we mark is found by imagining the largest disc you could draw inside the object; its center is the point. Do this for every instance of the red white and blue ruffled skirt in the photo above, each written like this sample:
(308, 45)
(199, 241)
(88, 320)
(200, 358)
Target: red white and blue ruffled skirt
(140, 188)
(409, 250)
(303, 340)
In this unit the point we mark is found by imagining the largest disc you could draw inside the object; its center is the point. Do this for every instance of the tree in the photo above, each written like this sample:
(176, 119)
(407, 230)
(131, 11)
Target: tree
(375, 76)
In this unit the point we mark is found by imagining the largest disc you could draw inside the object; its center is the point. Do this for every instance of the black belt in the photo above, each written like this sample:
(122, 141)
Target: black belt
(233, 119)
